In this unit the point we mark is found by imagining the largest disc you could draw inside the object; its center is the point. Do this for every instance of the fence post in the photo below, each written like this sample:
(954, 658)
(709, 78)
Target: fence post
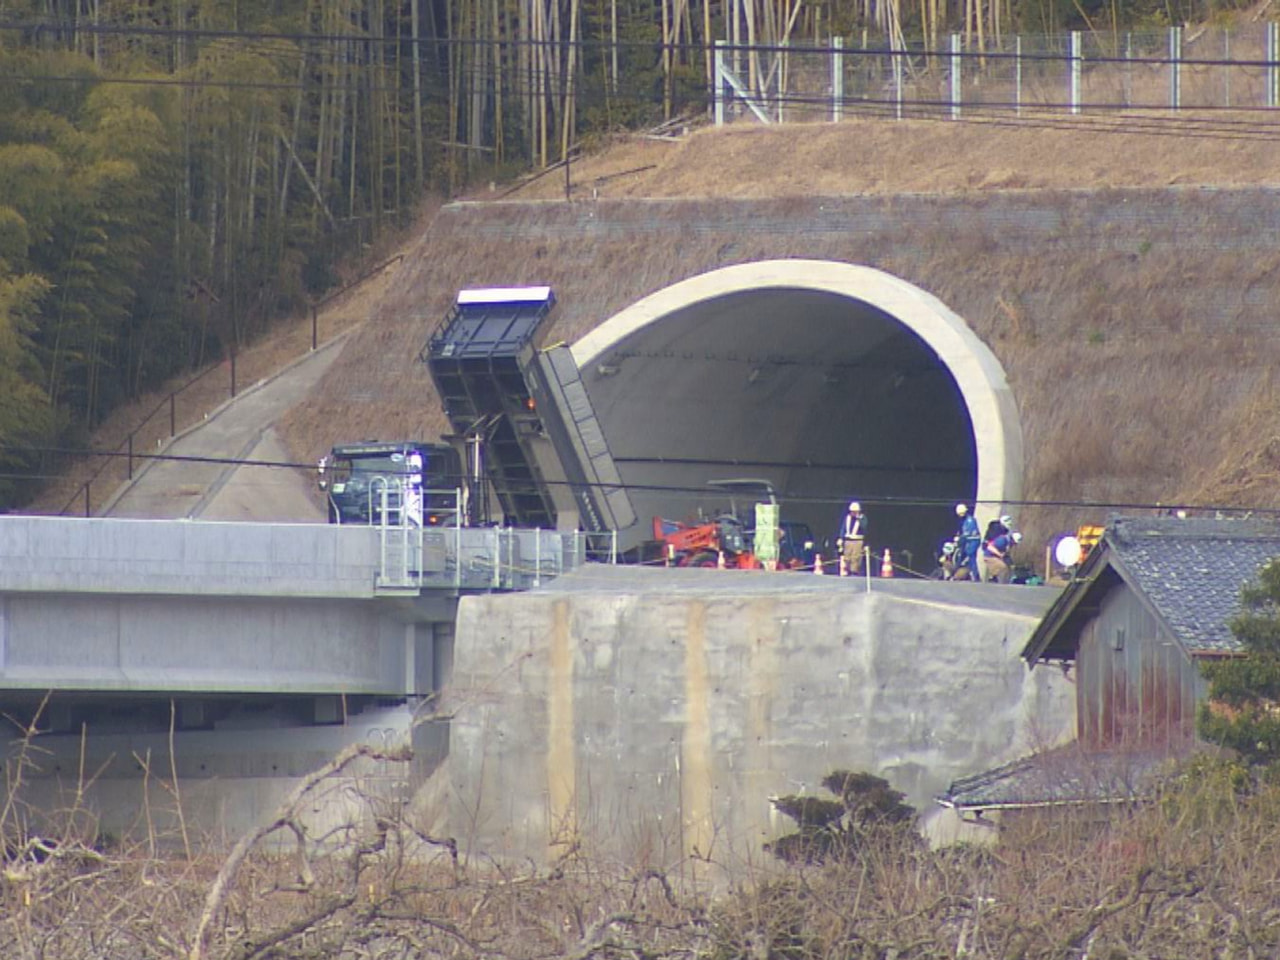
(1273, 42)
(897, 81)
(1075, 71)
(1175, 68)
(1128, 69)
(955, 76)
(1017, 75)
(717, 93)
(88, 510)
(1226, 70)
(837, 79)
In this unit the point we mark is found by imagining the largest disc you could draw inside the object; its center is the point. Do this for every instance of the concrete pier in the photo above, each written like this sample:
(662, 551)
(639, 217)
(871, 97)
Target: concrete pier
(651, 714)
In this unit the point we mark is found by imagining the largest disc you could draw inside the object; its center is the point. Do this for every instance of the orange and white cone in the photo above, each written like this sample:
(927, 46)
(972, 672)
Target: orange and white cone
(817, 564)
(886, 564)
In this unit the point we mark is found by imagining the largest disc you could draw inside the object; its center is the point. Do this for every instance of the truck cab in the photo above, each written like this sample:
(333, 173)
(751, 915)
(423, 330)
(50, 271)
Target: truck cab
(409, 483)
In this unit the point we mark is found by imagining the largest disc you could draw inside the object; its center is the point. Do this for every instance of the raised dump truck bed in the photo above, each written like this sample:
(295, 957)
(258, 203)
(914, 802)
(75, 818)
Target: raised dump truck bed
(526, 410)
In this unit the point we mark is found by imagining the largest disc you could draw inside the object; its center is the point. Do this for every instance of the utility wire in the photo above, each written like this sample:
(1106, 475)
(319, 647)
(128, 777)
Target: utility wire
(704, 492)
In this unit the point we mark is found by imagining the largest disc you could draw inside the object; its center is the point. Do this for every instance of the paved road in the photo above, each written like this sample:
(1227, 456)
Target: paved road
(241, 429)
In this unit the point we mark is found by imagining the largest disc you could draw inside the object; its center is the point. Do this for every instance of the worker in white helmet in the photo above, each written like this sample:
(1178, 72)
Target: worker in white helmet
(996, 556)
(968, 539)
(853, 536)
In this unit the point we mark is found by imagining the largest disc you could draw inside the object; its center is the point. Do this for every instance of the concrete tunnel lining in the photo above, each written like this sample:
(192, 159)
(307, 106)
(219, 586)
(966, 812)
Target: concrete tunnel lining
(979, 380)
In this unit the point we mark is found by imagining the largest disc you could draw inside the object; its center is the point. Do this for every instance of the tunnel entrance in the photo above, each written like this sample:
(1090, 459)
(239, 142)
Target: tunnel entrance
(833, 381)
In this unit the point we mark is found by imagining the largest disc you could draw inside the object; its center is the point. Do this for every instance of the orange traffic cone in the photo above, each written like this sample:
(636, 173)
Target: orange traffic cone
(886, 564)
(817, 564)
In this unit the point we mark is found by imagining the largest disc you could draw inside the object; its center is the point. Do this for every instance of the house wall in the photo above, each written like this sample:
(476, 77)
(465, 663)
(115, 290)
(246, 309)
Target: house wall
(1135, 687)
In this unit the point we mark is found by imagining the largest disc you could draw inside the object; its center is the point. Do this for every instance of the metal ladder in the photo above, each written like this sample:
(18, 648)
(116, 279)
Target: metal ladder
(399, 540)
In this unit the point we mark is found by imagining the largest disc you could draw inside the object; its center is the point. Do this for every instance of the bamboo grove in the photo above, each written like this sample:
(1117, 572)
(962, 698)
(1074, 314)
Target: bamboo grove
(173, 173)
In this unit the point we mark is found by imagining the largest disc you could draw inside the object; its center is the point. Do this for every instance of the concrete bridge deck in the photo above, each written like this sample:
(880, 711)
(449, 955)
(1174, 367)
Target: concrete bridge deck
(116, 605)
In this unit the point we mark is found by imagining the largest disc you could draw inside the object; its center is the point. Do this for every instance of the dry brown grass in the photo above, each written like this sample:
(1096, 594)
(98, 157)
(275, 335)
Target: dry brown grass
(881, 157)
(1128, 392)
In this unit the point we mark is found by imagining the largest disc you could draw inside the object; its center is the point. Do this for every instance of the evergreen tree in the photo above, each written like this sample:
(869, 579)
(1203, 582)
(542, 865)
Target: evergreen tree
(1243, 707)
(866, 811)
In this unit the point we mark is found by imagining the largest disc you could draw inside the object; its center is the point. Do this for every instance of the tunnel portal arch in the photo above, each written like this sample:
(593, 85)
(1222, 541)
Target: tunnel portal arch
(823, 376)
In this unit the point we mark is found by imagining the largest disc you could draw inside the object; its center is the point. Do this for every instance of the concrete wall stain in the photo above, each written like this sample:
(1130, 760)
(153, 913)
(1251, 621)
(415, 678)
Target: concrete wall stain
(695, 751)
(561, 753)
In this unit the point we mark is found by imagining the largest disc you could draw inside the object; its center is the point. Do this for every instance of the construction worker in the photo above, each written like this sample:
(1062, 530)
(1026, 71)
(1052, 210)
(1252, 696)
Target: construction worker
(1002, 524)
(853, 536)
(996, 557)
(968, 538)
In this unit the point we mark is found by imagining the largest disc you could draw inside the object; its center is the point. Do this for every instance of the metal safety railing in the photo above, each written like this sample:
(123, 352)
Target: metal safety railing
(413, 556)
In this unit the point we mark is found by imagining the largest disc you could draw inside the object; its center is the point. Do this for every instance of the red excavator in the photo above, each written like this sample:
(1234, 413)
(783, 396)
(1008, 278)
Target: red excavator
(701, 544)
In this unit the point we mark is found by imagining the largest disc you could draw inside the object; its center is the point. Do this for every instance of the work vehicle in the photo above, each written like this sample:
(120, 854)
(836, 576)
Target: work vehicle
(399, 482)
(734, 533)
(701, 544)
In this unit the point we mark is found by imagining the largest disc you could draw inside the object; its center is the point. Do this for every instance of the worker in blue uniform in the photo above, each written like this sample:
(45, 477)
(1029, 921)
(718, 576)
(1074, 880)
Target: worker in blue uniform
(968, 538)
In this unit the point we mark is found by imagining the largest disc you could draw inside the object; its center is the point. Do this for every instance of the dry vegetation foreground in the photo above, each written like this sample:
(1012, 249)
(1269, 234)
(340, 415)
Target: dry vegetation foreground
(1193, 873)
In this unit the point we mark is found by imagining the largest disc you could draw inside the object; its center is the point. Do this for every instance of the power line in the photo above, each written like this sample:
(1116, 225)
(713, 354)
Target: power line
(703, 492)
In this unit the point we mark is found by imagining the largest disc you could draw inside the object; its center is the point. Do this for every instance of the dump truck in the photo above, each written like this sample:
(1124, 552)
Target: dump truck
(396, 483)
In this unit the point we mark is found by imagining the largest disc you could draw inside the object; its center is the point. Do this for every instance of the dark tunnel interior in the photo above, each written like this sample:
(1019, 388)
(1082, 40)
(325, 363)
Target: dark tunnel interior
(825, 396)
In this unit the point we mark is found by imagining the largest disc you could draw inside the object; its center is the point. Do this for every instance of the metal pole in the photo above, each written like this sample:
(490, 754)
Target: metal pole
(1175, 68)
(1128, 69)
(315, 327)
(897, 83)
(1269, 56)
(457, 548)
(1017, 75)
(233, 370)
(537, 556)
(955, 76)
(837, 79)
(88, 510)
(497, 557)
(717, 90)
(1075, 71)
(568, 189)
(173, 414)
(1226, 69)
(131, 456)
(613, 546)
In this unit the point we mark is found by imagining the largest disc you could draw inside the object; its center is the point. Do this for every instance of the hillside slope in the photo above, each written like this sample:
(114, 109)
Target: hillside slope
(1134, 318)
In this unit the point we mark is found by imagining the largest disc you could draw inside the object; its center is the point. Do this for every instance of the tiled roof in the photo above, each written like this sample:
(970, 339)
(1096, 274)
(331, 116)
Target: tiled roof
(1064, 775)
(1191, 571)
